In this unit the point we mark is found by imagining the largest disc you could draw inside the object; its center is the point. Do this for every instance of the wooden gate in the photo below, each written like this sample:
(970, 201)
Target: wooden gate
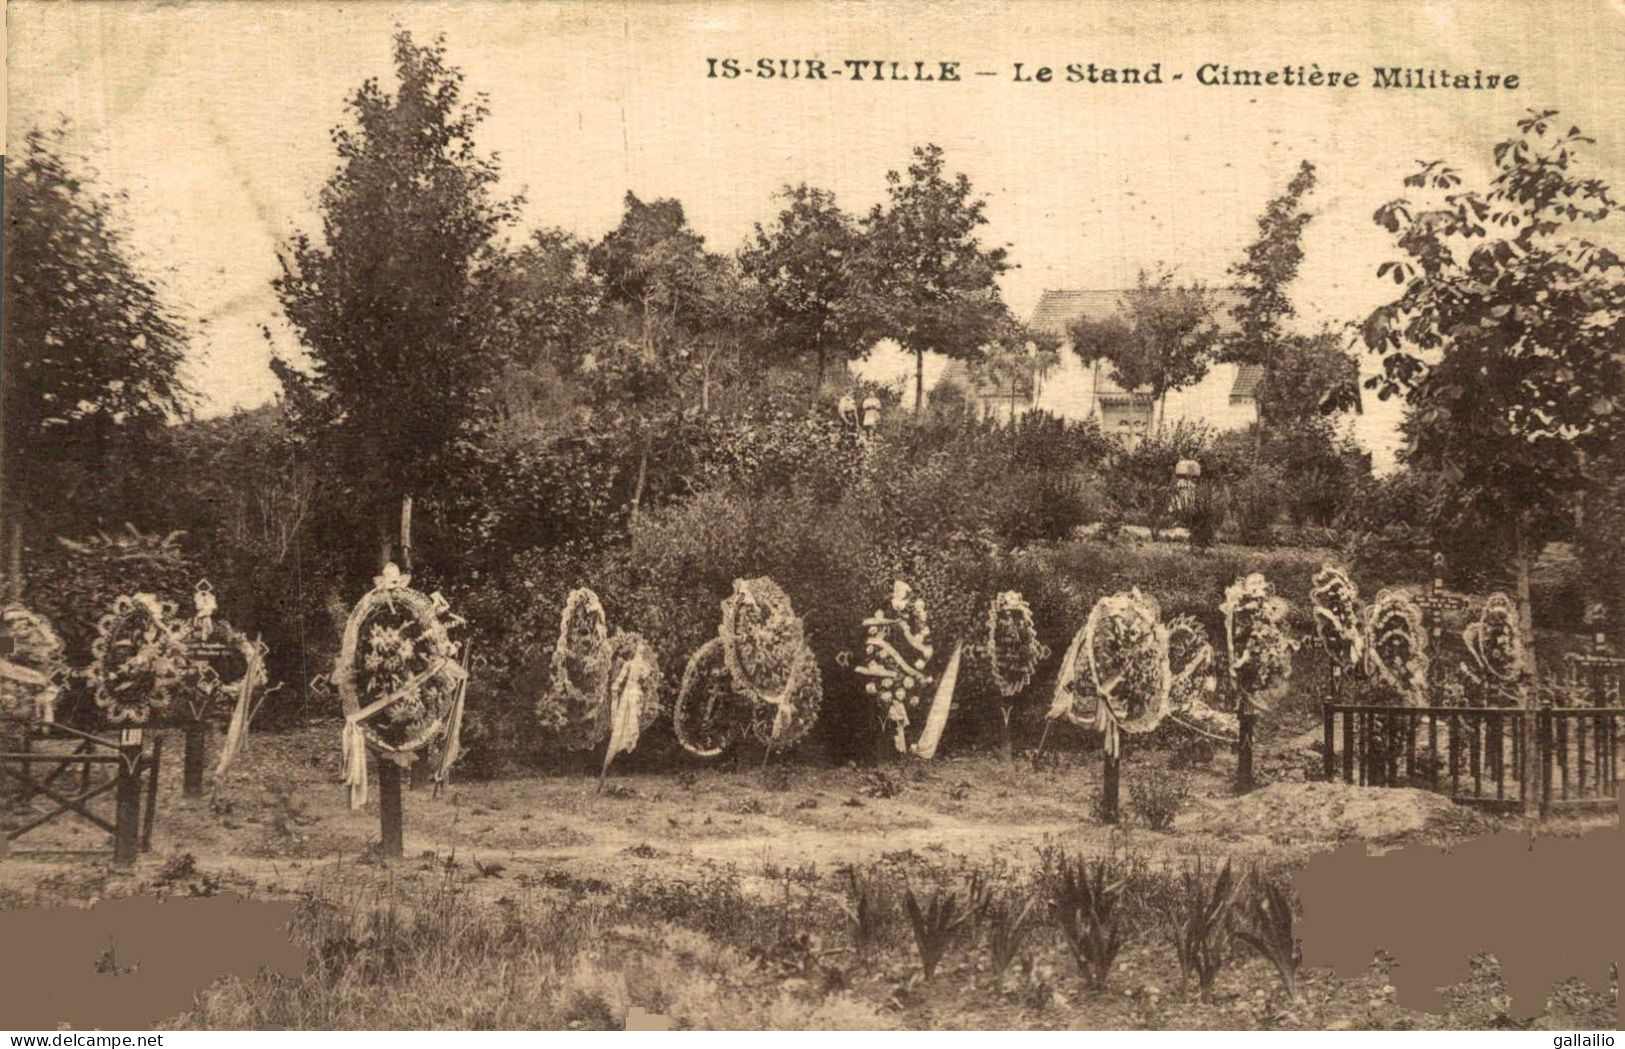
(126, 771)
(1475, 754)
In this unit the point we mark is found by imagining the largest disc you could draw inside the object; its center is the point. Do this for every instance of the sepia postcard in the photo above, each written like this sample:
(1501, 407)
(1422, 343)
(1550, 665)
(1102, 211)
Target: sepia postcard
(655, 516)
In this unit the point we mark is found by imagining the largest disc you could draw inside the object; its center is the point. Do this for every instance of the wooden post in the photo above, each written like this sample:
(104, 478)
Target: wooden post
(406, 533)
(127, 799)
(1328, 757)
(390, 842)
(197, 745)
(1244, 747)
(1109, 787)
(154, 763)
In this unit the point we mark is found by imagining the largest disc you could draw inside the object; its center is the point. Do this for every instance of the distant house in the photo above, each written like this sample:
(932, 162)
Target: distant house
(1223, 398)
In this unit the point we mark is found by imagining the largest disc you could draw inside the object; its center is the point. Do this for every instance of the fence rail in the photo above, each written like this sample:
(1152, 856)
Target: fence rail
(1475, 754)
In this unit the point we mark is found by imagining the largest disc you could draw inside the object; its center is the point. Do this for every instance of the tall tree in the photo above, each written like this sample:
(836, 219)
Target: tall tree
(805, 263)
(654, 270)
(395, 304)
(1505, 338)
(1271, 264)
(1316, 378)
(92, 354)
(927, 279)
(1161, 340)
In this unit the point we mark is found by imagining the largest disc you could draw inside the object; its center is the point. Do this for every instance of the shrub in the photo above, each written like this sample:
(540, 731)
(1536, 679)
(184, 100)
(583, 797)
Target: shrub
(1255, 504)
(1204, 514)
(1009, 924)
(1157, 799)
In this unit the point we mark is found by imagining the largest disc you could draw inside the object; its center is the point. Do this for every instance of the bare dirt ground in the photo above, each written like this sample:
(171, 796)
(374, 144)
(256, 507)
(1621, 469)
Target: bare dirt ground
(280, 826)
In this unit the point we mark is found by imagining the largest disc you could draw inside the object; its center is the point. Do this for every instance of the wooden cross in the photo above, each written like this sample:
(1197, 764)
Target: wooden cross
(1600, 672)
(1435, 605)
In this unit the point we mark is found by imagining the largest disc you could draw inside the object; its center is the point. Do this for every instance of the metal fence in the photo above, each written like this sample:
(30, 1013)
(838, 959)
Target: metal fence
(1475, 754)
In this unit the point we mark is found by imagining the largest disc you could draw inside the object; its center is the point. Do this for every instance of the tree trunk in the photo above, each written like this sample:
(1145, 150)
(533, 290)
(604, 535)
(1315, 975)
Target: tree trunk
(386, 543)
(1162, 411)
(637, 488)
(1005, 750)
(14, 560)
(818, 380)
(1531, 771)
(919, 380)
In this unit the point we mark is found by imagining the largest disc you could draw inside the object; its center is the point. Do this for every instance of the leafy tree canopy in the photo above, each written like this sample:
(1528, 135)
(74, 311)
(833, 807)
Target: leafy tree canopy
(397, 304)
(806, 264)
(1161, 340)
(93, 354)
(928, 280)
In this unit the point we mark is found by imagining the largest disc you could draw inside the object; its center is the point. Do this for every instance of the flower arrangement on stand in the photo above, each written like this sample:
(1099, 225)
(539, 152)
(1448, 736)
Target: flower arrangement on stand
(1396, 649)
(757, 679)
(32, 674)
(1260, 653)
(1115, 679)
(400, 680)
(1013, 653)
(897, 651)
(1339, 623)
(1495, 642)
(222, 664)
(603, 688)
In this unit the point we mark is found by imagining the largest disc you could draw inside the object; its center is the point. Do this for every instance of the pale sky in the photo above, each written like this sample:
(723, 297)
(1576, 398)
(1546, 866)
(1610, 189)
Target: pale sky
(214, 117)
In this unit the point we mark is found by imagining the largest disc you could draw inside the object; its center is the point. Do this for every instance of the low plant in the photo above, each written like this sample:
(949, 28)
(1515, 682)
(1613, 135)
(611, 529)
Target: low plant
(1009, 925)
(1198, 917)
(1272, 930)
(1156, 801)
(935, 924)
(868, 907)
(1084, 898)
(1204, 514)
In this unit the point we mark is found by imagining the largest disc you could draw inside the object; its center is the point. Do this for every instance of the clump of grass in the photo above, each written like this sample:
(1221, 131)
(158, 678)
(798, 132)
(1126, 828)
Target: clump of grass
(936, 924)
(1084, 898)
(1273, 929)
(1198, 917)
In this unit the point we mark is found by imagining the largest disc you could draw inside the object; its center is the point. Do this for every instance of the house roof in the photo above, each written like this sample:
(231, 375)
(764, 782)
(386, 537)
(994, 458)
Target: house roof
(1245, 388)
(958, 373)
(1058, 309)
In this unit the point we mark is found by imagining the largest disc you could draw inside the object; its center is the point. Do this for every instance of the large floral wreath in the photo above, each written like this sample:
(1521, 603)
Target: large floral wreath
(897, 649)
(139, 660)
(31, 676)
(1339, 626)
(1495, 641)
(1012, 646)
(399, 680)
(1190, 664)
(223, 664)
(602, 687)
(1115, 675)
(757, 678)
(1256, 638)
(1397, 645)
